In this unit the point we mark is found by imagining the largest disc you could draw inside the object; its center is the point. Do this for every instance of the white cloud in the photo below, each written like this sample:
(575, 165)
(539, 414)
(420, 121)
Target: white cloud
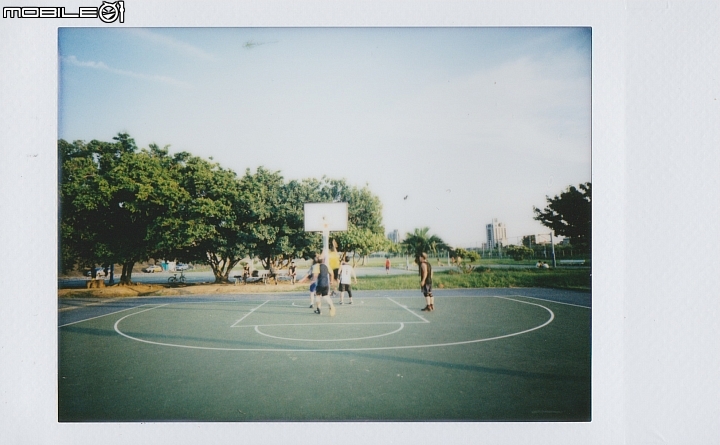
(102, 66)
(170, 42)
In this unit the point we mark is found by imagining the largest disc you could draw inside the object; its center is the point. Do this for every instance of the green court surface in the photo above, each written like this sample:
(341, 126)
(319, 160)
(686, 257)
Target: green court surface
(482, 355)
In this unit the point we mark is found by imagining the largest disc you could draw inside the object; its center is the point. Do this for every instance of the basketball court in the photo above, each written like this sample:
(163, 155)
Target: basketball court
(484, 354)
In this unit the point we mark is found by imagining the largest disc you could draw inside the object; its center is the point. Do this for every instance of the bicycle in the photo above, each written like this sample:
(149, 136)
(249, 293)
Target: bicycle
(175, 278)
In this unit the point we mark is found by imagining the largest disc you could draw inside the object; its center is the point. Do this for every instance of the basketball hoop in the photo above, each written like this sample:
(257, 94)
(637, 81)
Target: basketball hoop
(326, 217)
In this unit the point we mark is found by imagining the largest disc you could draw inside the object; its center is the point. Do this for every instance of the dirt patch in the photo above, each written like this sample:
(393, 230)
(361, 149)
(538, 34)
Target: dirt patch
(189, 289)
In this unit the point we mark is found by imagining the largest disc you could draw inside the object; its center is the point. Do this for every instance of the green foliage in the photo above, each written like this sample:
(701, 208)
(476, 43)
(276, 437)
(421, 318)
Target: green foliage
(460, 254)
(420, 241)
(114, 200)
(124, 205)
(519, 253)
(483, 277)
(570, 214)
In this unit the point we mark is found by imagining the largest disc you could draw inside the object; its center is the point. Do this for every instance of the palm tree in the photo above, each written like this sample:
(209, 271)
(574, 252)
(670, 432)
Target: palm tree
(419, 241)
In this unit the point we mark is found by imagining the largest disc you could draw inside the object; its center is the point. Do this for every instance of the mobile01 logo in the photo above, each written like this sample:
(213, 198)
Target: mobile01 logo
(108, 12)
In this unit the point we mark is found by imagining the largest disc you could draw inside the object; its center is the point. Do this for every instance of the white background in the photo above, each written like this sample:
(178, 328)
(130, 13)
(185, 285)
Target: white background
(656, 162)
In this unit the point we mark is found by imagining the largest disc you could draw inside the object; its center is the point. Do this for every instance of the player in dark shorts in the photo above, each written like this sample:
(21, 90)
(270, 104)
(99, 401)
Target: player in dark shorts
(425, 270)
(324, 279)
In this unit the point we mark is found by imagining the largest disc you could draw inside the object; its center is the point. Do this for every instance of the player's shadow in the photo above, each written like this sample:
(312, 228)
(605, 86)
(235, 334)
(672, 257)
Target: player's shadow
(172, 340)
(466, 367)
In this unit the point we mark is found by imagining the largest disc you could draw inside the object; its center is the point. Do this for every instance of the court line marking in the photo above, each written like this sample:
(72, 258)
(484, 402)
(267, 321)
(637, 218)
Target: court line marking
(552, 301)
(83, 306)
(338, 304)
(253, 310)
(115, 326)
(406, 308)
(327, 324)
(382, 348)
(105, 315)
(402, 325)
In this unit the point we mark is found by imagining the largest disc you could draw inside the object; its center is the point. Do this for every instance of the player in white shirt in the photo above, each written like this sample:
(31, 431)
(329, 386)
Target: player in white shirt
(345, 275)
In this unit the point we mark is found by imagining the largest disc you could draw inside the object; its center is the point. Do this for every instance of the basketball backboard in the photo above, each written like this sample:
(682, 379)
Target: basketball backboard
(326, 216)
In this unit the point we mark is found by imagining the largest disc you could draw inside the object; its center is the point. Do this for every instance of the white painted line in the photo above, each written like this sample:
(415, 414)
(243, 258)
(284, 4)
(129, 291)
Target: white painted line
(118, 322)
(254, 309)
(100, 316)
(337, 304)
(383, 348)
(97, 303)
(406, 308)
(551, 301)
(402, 325)
(328, 324)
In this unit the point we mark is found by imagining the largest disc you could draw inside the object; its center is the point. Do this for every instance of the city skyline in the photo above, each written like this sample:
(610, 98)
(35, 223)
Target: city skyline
(449, 127)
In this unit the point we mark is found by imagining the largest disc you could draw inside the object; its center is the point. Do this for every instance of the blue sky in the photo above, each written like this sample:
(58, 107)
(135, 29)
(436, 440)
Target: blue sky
(470, 123)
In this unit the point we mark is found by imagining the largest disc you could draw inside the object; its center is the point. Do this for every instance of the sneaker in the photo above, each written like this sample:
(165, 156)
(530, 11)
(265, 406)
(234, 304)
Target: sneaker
(432, 307)
(350, 302)
(332, 311)
(340, 302)
(317, 311)
(312, 306)
(426, 308)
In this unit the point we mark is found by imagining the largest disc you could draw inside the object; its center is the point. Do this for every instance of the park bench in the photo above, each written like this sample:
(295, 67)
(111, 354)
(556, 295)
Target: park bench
(262, 275)
(571, 262)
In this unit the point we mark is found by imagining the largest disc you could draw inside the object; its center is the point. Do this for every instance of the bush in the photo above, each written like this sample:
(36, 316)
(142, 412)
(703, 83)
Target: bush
(519, 253)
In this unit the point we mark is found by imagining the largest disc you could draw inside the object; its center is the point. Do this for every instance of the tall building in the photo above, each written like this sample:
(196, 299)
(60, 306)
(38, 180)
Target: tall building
(496, 234)
(394, 236)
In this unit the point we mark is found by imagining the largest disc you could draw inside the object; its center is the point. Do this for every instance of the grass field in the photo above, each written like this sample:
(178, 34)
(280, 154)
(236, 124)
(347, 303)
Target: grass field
(577, 279)
(483, 355)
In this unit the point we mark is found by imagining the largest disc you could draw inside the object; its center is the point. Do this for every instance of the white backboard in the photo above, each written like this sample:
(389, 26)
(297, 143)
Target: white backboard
(326, 216)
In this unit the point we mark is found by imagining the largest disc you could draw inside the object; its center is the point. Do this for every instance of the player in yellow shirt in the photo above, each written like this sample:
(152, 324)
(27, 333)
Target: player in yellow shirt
(334, 264)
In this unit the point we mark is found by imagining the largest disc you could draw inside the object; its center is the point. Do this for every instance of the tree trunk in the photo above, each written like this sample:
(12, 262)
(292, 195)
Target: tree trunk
(221, 268)
(126, 276)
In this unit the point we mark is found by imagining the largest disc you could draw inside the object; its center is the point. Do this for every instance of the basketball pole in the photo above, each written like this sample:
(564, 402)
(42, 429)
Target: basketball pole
(326, 246)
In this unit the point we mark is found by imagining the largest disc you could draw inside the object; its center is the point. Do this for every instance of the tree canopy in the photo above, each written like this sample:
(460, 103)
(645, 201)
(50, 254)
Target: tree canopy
(123, 205)
(570, 214)
(421, 241)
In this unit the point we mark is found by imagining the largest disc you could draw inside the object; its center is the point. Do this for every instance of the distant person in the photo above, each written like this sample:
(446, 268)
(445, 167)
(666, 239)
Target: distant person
(387, 266)
(324, 280)
(546, 266)
(292, 272)
(539, 264)
(246, 273)
(425, 270)
(346, 273)
(272, 273)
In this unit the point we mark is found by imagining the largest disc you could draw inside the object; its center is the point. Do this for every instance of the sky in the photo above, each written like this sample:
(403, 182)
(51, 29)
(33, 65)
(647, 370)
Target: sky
(449, 127)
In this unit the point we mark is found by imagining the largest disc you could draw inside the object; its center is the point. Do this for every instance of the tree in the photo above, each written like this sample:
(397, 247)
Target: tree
(273, 217)
(460, 254)
(124, 205)
(113, 199)
(570, 214)
(420, 241)
(366, 233)
(210, 229)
